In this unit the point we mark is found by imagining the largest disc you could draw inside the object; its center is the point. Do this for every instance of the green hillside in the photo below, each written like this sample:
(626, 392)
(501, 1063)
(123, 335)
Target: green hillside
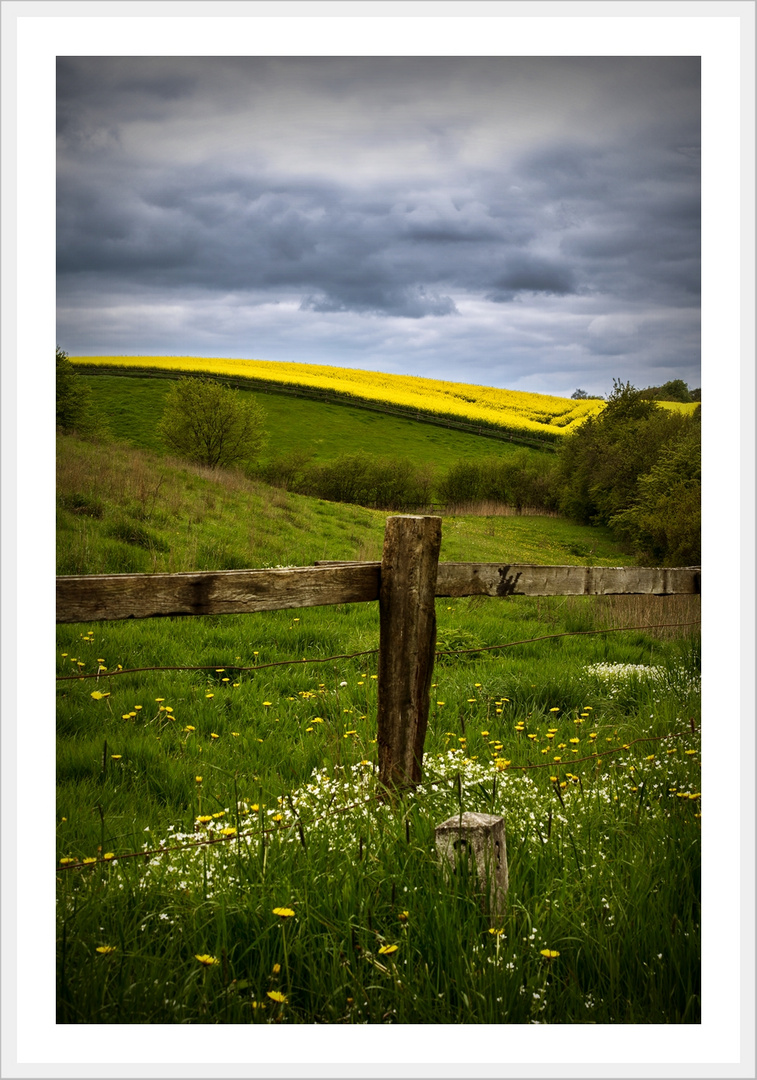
(124, 509)
(132, 406)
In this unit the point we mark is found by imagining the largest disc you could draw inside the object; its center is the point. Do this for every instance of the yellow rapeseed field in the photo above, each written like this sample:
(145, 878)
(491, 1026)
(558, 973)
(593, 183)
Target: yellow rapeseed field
(517, 409)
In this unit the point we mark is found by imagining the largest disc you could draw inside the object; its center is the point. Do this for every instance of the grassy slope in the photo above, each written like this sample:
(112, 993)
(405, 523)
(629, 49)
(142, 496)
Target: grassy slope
(133, 405)
(121, 509)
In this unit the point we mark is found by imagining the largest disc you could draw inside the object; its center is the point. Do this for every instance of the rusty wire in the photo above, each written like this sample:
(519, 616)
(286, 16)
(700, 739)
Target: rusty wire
(367, 652)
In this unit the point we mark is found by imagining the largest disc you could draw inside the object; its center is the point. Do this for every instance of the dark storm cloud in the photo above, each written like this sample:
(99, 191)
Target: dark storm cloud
(448, 192)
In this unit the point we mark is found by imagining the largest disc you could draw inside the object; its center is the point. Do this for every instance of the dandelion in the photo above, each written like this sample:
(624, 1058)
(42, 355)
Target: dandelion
(198, 779)
(276, 969)
(109, 855)
(189, 728)
(98, 695)
(209, 695)
(283, 912)
(496, 930)
(274, 995)
(387, 950)
(403, 916)
(88, 861)
(213, 735)
(66, 860)
(105, 950)
(549, 954)
(115, 757)
(206, 960)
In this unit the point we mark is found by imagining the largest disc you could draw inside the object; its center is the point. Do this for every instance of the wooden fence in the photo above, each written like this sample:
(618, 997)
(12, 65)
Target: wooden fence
(405, 584)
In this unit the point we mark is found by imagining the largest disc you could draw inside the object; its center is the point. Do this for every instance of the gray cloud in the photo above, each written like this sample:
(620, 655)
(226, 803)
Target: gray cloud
(385, 211)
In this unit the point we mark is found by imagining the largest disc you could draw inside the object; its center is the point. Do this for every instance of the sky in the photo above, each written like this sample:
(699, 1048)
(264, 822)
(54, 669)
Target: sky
(530, 223)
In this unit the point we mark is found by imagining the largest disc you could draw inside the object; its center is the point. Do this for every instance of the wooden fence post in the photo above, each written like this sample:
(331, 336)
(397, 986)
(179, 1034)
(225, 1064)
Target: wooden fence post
(407, 644)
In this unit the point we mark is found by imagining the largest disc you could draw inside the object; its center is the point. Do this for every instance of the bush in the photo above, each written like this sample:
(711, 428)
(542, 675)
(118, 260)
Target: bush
(663, 524)
(384, 483)
(520, 479)
(211, 424)
(74, 408)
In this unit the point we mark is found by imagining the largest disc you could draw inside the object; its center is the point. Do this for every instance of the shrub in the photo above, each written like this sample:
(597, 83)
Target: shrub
(211, 424)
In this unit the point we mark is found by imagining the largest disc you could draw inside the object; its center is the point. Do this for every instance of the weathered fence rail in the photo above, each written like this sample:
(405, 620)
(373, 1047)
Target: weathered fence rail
(404, 583)
(227, 592)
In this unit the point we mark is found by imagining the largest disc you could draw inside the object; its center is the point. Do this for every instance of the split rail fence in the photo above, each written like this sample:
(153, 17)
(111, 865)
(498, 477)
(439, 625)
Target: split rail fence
(405, 584)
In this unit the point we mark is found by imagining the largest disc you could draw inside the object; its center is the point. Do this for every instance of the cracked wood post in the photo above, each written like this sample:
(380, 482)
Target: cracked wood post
(407, 644)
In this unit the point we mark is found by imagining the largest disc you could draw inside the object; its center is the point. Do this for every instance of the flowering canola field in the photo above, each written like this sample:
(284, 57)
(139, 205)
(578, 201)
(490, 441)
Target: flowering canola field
(513, 409)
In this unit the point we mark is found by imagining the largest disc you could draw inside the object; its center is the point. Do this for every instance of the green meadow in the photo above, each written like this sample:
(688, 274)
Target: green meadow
(224, 853)
(133, 405)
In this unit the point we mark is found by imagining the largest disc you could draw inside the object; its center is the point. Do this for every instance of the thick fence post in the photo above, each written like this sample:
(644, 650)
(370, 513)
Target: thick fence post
(407, 644)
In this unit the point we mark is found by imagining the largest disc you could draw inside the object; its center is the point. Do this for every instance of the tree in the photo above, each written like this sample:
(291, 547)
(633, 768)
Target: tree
(74, 408)
(663, 523)
(601, 462)
(579, 395)
(210, 424)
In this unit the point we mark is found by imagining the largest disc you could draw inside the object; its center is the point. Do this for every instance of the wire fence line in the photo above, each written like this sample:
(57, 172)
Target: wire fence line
(380, 797)
(368, 652)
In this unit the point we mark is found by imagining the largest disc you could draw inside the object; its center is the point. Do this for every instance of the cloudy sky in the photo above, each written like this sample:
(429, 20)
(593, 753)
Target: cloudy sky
(530, 223)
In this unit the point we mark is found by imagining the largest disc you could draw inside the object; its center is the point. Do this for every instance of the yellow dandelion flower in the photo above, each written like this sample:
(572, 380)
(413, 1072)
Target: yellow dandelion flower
(274, 995)
(206, 960)
(198, 779)
(276, 969)
(283, 912)
(109, 855)
(105, 950)
(88, 861)
(66, 860)
(550, 954)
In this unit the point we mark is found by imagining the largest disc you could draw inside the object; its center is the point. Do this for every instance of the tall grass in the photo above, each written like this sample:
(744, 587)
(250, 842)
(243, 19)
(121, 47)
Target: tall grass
(604, 858)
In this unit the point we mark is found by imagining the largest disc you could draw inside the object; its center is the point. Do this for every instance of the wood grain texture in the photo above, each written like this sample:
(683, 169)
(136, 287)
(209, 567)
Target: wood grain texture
(520, 579)
(406, 645)
(224, 592)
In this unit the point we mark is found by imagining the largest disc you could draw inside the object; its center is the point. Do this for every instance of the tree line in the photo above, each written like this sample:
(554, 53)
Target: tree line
(635, 467)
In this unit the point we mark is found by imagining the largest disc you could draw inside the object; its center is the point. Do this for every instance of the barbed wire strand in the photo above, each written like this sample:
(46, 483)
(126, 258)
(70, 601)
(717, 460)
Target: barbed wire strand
(381, 797)
(367, 652)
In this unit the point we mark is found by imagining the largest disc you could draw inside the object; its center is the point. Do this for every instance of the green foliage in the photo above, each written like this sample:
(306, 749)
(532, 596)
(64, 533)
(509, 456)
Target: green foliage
(602, 465)
(210, 424)
(663, 524)
(380, 482)
(74, 406)
(522, 479)
(674, 390)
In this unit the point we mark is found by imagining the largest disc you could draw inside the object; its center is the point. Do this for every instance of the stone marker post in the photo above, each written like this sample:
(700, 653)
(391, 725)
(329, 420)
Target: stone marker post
(480, 838)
